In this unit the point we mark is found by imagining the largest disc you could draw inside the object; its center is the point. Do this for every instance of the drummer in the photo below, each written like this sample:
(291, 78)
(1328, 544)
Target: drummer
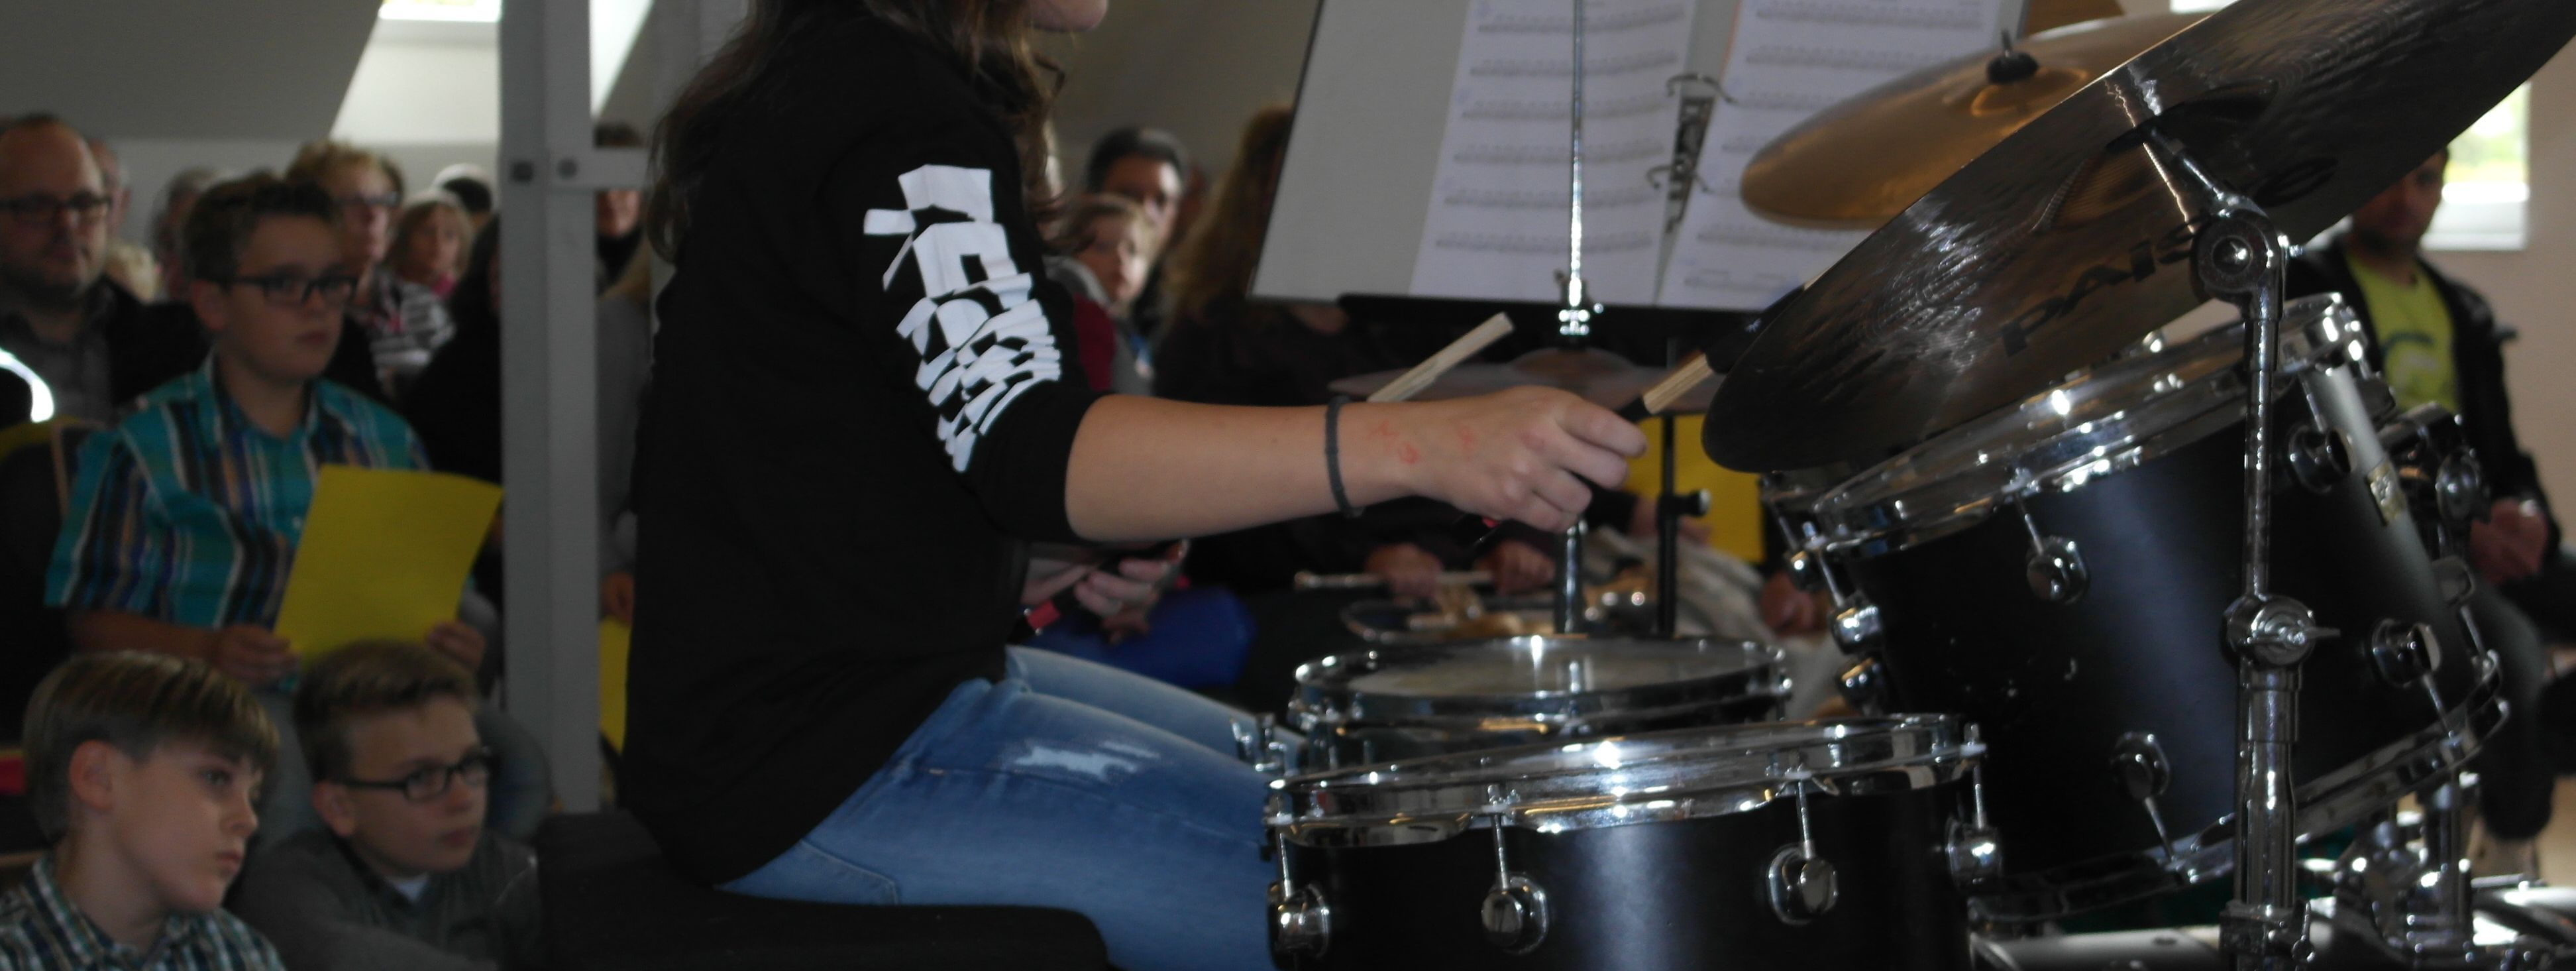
(1223, 348)
(2436, 341)
(859, 420)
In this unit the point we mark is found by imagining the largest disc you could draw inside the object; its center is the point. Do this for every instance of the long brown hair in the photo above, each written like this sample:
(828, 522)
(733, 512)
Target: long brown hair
(991, 39)
(1215, 262)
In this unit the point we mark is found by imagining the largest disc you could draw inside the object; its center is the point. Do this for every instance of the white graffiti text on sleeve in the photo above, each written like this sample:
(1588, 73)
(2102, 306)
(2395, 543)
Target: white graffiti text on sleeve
(982, 338)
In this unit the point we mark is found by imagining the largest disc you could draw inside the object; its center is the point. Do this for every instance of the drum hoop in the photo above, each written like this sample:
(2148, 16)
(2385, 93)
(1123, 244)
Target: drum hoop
(1320, 705)
(1865, 518)
(1731, 772)
(2341, 798)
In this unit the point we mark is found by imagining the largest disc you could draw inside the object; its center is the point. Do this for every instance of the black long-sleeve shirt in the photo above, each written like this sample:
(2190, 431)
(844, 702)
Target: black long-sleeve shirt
(862, 409)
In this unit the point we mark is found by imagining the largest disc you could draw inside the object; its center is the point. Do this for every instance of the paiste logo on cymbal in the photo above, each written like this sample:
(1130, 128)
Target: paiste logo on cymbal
(2174, 246)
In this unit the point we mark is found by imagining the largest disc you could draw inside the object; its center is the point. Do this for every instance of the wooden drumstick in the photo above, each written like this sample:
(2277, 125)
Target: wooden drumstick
(1412, 382)
(1682, 381)
(1369, 581)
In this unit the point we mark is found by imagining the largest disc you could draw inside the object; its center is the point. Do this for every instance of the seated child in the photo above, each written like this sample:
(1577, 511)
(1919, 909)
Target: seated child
(406, 877)
(141, 769)
(184, 517)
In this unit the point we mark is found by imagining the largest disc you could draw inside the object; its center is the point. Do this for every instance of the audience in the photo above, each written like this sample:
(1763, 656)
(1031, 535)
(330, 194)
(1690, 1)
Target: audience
(405, 876)
(625, 368)
(168, 217)
(141, 769)
(1103, 248)
(456, 405)
(429, 244)
(619, 213)
(1149, 167)
(403, 323)
(86, 336)
(184, 517)
(471, 187)
(127, 263)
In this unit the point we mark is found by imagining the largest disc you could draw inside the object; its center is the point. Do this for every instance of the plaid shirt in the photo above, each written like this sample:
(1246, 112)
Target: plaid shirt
(40, 928)
(188, 514)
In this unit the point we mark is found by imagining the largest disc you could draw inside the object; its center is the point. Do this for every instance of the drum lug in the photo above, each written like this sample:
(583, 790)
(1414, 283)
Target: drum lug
(1301, 923)
(1301, 920)
(2319, 459)
(2138, 762)
(1801, 885)
(1806, 572)
(1261, 747)
(2404, 653)
(1976, 849)
(1857, 626)
(1515, 909)
(2055, 569)
(2458, 583)
(1864, 684)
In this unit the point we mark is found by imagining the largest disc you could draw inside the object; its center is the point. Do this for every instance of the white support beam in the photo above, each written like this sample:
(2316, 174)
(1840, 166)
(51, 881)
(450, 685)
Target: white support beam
(549, 376)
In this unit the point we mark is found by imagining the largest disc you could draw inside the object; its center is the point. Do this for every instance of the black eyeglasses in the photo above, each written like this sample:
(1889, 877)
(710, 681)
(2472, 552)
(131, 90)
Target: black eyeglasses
(386, 200)
(434, 781)
(293, 289)
(40, 208)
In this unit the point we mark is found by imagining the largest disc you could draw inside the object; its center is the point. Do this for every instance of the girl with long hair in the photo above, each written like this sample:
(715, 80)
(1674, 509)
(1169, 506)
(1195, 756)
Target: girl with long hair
(862, 424)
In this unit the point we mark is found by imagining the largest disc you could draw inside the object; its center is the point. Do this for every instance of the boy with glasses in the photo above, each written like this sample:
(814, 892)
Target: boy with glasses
(406, 876)
(184, 517)
(141, 770)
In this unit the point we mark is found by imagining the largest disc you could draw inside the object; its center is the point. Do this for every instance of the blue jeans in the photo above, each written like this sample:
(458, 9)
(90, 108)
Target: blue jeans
(1067, 784)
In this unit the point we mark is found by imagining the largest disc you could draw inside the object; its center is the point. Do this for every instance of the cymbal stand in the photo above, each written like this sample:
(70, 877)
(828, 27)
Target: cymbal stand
(1574, 325)
(2241, 257)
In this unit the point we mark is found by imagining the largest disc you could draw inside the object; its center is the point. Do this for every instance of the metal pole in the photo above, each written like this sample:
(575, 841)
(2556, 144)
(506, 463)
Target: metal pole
(1668, 553)
(2239, 256)
(1569, 581)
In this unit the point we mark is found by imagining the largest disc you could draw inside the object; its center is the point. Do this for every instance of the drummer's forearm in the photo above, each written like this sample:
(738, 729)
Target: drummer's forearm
(1148, 469)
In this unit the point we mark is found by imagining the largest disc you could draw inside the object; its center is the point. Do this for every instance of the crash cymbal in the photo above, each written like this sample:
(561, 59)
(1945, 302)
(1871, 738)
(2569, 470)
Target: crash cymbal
(1601, 377)
(2070, 238)
(2047, 15)
(1859, 163)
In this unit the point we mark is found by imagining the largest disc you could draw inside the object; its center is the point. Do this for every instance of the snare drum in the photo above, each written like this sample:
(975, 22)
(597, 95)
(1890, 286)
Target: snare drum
(1402, 702)
(1820, 844)
(2056, 572)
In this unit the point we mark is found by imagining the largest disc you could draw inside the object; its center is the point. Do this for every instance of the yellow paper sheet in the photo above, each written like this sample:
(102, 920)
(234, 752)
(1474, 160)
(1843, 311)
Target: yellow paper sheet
(384, 556)
(614, 639)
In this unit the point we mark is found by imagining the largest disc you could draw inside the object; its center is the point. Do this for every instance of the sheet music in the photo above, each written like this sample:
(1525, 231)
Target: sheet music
(1496, 229)
(1789, 60)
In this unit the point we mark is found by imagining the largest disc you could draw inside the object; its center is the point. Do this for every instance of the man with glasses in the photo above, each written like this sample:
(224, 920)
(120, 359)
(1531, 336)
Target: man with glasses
(184, 517)
(92, 342)
(406, 877)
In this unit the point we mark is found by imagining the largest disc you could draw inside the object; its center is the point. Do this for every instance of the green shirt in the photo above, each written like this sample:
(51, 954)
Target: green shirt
(2414, 337)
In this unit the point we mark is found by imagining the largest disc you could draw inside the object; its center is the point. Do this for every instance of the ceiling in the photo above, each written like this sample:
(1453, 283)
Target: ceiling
(238, 69)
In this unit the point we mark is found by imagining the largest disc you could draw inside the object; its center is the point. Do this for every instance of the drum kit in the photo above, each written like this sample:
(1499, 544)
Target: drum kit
(2121, 619)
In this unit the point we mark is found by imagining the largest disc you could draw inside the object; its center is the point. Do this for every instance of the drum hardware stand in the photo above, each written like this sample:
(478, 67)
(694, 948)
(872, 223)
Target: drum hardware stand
(2139, 762)
(2241, 257)
(1801, 885)
(1514, 912)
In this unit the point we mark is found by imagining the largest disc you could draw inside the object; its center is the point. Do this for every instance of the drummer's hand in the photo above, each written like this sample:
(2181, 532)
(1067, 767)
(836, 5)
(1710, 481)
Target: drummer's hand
(1518, 567)
(1787, 610)
(1410, 572)
(1641, 524)
(1048, 577)
(1133, 585)
(2508, 545)
(1518, 454)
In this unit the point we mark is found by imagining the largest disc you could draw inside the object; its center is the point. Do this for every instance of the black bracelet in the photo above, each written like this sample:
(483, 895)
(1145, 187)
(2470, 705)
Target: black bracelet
(1333, 454)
